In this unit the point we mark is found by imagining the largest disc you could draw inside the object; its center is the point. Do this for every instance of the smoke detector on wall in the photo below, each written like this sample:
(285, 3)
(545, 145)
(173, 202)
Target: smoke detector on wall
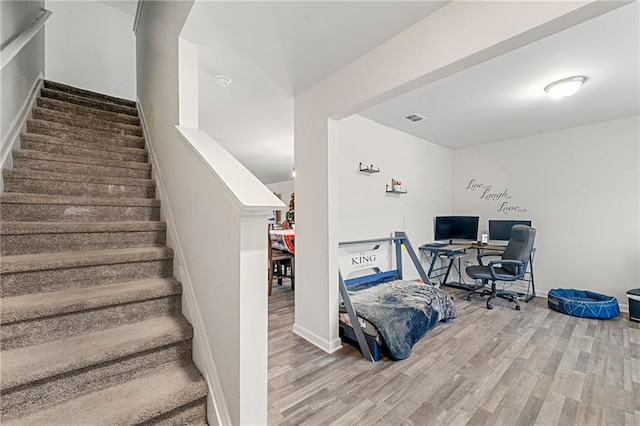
(222, 80)
(414, 117)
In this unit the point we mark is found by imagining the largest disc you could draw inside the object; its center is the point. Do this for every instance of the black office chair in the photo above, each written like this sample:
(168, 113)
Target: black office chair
(511, 267)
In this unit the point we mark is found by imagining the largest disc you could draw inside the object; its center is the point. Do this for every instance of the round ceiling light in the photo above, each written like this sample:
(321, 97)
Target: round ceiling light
(222, 80)
(566, 87)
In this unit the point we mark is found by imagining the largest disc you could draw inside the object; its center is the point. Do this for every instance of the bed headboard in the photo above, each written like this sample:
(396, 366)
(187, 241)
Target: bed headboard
(369, 261)
(365, 266)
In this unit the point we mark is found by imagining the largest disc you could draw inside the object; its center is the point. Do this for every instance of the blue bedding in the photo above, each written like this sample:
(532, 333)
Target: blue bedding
(402, 311)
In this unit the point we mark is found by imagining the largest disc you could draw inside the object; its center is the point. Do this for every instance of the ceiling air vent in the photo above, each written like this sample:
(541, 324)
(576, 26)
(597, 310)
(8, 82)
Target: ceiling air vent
(415, 117)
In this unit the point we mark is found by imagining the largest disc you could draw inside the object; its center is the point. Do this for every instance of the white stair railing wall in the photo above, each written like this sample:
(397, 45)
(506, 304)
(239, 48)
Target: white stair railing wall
(21, 71)
(216, 212)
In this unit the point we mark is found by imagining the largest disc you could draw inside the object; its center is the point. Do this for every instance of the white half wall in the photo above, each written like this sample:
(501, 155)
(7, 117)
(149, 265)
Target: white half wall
(92, 46)
(580, 188)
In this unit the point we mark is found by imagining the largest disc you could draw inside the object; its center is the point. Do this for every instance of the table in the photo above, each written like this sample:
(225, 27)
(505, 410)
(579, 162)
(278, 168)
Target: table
(283, 239)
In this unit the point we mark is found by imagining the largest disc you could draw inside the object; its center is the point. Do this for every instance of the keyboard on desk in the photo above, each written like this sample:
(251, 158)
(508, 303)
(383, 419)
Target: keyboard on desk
(445, 247)
(435, 245)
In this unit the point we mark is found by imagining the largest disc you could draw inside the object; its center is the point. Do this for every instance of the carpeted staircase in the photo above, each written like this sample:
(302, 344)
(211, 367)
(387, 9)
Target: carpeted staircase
(92, 330)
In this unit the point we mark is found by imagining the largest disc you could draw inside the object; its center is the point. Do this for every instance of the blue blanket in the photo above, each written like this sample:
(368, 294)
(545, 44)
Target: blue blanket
(402, 311)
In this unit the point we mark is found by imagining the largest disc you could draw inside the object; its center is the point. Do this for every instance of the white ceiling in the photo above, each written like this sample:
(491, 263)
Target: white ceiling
(504, 98)
(274, 50)
(126, 6)
(298, 43)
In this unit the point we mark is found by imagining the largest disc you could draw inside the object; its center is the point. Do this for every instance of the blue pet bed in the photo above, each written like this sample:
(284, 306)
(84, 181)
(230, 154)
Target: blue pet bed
(583, 304)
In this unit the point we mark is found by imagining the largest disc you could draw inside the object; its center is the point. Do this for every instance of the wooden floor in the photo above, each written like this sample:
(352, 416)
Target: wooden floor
(499, 367)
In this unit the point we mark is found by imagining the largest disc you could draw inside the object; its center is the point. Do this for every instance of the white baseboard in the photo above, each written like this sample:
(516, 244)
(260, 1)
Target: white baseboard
(202, 354)
(12, 141)
(324, 344)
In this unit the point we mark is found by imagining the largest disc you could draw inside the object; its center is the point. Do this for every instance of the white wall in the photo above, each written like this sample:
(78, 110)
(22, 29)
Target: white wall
(579, 186)
(285, 189)
(17, 16)
(20, 78)
(365, 210)
(253, 117)
(92, 46)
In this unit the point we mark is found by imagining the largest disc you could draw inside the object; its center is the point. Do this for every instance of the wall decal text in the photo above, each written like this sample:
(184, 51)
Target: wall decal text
(487, 193)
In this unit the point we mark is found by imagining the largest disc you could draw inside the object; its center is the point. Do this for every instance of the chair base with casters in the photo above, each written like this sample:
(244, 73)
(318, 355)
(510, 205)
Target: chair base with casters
(493, 293)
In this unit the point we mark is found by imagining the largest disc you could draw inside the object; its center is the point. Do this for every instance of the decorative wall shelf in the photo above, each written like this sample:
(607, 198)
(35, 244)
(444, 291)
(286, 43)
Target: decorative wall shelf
(391, 190)
(368, 168)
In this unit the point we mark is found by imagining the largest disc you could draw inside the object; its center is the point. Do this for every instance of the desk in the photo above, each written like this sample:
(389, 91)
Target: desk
(453, 252)
(449, 252)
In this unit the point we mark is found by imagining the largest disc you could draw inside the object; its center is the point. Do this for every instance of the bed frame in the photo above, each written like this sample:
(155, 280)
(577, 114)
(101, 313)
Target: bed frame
(380, 262)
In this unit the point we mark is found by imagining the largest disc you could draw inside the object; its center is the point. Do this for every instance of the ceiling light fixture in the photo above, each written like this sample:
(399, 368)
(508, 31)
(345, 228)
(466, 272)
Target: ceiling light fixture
(566, 87)
(222, 80)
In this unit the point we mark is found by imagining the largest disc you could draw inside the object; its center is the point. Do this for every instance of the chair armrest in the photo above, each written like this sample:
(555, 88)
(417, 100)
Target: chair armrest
(502, 262)
(488, 254)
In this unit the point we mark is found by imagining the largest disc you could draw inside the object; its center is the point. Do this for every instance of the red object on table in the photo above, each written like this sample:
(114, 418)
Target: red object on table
(283, 239)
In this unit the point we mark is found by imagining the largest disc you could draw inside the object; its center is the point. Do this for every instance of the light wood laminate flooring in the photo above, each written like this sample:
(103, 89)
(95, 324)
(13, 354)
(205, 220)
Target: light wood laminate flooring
(498, 367)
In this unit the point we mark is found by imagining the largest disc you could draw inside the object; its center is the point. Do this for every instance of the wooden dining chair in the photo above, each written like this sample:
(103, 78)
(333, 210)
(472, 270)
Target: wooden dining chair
(281, 264)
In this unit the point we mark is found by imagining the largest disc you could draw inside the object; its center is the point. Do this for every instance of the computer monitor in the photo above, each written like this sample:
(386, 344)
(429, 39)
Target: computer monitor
(455, 228)
(500, 230)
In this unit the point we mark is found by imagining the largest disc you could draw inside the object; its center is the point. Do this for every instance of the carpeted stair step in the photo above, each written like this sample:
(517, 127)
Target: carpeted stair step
(50, 183)
(47, 272)
(88, 94)
(88, 102)
(99, 137)
(37, 318)
(95, 124)
(52, 237)
(192, 414)
(81, 111)
(17, 207)
(44, 161)
(159, 397)
(55, 145)
(74, 368)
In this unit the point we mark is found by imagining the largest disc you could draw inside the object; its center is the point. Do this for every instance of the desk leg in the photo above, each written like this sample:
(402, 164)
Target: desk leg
(459, 270)
(432, 265)
(532, 283)
(446, 276)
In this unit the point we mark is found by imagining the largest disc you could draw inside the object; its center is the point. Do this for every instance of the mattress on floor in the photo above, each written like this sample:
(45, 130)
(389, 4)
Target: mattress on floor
(371, 334)
(401, 311)
(368, 328)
